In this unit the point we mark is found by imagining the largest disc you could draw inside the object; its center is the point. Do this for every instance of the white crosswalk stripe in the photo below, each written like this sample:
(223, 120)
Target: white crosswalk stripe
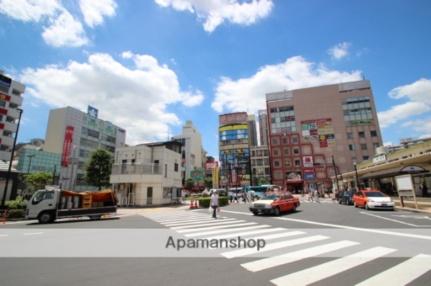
(219, 231)
(198, 222)
(206, 224)
(328, 269)
(273, 246)
(402, 273)
(247, 233)
(215, 227)
(293, 256)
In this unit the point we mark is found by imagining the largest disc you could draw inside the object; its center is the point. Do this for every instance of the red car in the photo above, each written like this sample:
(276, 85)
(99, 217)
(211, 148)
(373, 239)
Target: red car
(274, 204)
(372, 199)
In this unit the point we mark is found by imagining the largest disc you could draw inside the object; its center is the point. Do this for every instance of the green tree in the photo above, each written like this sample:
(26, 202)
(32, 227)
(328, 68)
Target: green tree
(208, 183)
(36, 181)
(189, 184)
(99, 168)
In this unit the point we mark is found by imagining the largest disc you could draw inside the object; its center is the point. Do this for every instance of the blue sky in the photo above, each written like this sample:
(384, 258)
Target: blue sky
(151, 65)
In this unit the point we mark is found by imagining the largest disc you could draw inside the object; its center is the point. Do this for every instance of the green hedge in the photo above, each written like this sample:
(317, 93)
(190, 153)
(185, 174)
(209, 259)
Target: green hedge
(16, 213)
(18, 203)
(204, 202)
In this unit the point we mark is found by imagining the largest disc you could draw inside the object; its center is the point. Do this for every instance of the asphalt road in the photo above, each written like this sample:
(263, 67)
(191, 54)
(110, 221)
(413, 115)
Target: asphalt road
(310, 246)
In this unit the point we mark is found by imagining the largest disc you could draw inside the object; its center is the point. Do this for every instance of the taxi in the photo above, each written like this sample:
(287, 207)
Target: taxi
(274, 204)
(372, 199)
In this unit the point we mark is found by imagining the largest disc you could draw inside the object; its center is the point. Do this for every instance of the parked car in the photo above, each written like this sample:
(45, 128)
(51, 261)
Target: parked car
(372, 199)
(346, 197)
(274, 204)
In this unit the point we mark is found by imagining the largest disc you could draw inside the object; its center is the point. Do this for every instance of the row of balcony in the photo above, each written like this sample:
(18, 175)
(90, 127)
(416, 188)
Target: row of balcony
(136, 169)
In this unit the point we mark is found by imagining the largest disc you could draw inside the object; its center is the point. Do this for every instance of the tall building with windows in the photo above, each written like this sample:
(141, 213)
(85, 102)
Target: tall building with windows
(75, 135)
(310, 126)
(234, 148)
(192, 153)
(10, 103)
(263, 127)
(252, 138)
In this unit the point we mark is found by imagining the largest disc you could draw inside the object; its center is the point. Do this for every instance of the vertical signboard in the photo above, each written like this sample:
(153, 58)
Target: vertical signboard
(67, 146)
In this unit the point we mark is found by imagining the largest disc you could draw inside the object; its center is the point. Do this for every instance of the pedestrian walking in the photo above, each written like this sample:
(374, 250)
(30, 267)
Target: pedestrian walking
(214, 203)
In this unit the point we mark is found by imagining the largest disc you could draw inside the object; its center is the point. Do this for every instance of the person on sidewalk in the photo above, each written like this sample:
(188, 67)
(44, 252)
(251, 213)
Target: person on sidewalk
(214, 203)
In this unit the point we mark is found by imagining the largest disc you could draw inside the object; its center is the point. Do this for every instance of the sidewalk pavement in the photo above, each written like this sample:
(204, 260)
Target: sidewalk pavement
(424, 205)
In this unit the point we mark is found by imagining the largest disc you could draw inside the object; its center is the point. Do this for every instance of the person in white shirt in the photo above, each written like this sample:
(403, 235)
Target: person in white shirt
(214, 203)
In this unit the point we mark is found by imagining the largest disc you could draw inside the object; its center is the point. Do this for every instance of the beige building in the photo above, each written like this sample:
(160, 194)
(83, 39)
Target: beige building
(260, 166)
(309, 126)
(193, 155)
(147, 174)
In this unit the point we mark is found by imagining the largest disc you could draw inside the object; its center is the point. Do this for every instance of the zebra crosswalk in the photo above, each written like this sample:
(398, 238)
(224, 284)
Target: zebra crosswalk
(285, 247)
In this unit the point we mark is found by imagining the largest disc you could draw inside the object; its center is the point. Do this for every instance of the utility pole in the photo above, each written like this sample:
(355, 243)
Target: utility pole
(11, 159)
(336, 173)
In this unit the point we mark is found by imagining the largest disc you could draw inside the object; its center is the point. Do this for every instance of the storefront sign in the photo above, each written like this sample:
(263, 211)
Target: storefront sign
(307, 161)
(293, 177)
(319, 129)
(309, 175)
(67, 146)
(232, 118)
(412, 169)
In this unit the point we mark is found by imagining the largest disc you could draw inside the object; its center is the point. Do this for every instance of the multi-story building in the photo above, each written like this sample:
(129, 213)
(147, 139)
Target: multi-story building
(75, 135)
(310, 126)
(33, 159)
(234, 149)
(212, 171)
(10, 108)
(263, 127)
(147, 174)
(192, 152)
(252, 132)
(260, 166)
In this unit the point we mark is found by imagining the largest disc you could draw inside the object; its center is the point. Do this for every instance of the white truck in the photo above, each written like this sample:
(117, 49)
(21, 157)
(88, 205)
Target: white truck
(52, 203)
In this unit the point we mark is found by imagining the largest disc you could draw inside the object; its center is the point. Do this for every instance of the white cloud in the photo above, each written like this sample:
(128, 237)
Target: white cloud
(65, 31)
(339, 51)
(418, 95)
(134, 98)
(422, 126)
(215, 12)
(29, 10)
(60, 27)
(401, 111)
(94, 11)
(248, 94)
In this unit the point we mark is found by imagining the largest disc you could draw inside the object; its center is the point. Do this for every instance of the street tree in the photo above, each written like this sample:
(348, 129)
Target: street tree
(99, 168)
(36, 181)
(189, 184)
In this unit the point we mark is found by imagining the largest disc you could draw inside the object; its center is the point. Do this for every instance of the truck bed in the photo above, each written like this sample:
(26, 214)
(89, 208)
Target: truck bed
(86, 211)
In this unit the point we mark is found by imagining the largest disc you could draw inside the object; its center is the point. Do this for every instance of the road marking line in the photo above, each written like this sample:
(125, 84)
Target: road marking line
(235, 212)
(246, 233)
(273, 246)
(32, 233)
(166, 219)
(393, 233)
(294, 256)
(199, 222)
(388, 219)
(403, 273)
(207, 224)
(277, 235)
(235, 230)
(186, 220)
(331, 268)
(214, 227)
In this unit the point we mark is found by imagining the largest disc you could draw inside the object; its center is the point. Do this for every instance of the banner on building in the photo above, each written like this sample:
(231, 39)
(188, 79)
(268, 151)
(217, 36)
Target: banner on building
(307, 161)
(93, 112)
(319, 129)
(231, 118)
(293, 177)
(309, 175)
(67, 146)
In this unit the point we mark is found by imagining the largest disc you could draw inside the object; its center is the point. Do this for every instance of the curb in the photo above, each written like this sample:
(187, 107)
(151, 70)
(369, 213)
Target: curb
(412, 210)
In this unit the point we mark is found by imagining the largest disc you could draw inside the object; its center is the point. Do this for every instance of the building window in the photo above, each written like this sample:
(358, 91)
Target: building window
(352, 147)
(297, 162)
(276, 163)
(349, 135)
(376, 145)
(365, 157)
(176, 167)
(275, 141)
(296, 150)
(123, 161)
(373, 133)
(295, 139)
(276, 152)
(133, 161)
(286, 151)
(166, 170)
(287, 162)
(285, 141)
(364, 147)
(361, 134)
(357, 110)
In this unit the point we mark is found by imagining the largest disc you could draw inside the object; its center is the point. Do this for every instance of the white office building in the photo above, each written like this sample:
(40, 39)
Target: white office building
(147, 174)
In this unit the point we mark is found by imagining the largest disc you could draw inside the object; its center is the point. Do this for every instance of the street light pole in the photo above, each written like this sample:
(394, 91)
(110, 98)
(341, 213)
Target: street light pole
(356, 176)
(11, 159)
